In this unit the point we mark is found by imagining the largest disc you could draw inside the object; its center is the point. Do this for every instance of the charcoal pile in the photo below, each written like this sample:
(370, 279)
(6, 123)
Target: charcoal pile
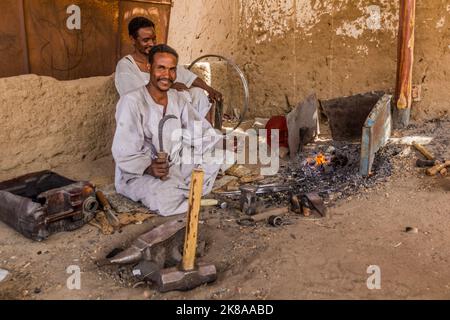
(333, 172)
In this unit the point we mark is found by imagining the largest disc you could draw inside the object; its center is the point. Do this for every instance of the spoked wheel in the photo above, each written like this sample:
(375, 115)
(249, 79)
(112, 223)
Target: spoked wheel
(236, 100)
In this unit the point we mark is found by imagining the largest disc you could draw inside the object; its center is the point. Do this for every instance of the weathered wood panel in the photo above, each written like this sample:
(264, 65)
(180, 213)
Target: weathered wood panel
(13, 52)
(34, 37)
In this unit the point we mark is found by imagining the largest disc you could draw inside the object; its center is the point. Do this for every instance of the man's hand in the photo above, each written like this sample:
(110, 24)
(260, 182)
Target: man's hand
(179, 86)
(158, 169)
(214, 95)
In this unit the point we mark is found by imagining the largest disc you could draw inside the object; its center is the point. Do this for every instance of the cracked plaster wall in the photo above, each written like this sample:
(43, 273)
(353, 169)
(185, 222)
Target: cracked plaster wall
(289, 48)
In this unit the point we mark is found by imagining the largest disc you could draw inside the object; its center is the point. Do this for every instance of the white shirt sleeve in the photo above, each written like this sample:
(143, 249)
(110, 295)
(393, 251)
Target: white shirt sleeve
(127, 78)
(185, 76)
(128, 145)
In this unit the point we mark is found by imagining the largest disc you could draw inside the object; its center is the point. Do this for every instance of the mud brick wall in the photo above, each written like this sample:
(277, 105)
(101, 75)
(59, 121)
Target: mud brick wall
(287, 48)
(331, 47)
(46, 123)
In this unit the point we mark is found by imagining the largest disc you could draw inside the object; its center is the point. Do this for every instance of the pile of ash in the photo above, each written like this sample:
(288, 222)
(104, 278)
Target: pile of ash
(333, 171)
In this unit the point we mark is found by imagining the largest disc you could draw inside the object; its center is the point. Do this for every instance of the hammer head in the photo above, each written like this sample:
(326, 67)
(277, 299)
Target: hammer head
(175, 279)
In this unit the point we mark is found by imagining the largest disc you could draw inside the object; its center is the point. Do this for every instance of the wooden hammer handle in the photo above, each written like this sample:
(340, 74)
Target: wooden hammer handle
(438, 168)
(427, 154)
(195, 198)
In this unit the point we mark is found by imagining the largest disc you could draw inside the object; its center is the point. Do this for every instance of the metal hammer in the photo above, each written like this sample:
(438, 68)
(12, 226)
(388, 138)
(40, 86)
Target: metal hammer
(189, 275)
(161, 156)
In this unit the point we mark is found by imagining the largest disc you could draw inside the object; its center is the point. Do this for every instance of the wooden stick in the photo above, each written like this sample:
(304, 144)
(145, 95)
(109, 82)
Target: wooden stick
(438, 168)
(427, 154)
(195, 198)
(403, 96)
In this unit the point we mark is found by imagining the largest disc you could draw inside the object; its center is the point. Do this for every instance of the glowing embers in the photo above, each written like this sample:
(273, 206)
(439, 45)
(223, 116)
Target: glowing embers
(324, 162)
(318, 160)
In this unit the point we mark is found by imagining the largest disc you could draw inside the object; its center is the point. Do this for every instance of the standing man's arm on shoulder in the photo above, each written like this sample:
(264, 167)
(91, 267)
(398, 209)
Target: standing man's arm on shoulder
(189, 79)
(126, 79)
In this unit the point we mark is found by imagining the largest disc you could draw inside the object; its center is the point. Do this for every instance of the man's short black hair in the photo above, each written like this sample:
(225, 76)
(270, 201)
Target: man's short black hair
(161, 48)
(139, 23)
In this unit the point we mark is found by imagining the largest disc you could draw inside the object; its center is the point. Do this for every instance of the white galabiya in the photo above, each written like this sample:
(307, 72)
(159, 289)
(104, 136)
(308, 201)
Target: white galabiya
(129, 78)
(136, 143)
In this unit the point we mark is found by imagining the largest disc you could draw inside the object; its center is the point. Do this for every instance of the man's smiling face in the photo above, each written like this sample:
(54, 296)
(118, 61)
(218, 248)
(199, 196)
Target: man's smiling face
(145, 40)
(163, 71)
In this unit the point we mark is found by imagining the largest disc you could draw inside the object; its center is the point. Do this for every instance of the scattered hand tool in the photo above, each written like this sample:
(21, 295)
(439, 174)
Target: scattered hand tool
(251, 221)
(264, 189)
(427, 154)
(313, 202)
(308, 204)
(426, 163)
(109, 213)
(317, 202)
(438, 168)
(296, 205)
(189, 275)
(209, 203)
(248, 202)
(276, 221)
(162, 156)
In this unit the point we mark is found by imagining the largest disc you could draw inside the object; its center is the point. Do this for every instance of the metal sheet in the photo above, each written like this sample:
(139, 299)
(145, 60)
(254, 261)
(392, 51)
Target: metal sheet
(376, 133)
(347, 115)
(303, 124)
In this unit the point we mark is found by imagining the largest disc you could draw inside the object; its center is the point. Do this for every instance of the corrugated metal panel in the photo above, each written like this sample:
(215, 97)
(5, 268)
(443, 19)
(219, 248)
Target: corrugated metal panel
(34, 37)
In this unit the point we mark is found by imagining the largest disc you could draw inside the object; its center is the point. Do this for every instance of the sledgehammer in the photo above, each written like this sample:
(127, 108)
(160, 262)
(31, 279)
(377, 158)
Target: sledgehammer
(189, 275)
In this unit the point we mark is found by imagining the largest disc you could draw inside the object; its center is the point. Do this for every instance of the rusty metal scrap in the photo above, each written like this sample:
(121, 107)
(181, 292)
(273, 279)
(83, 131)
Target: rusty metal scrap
(43, 203)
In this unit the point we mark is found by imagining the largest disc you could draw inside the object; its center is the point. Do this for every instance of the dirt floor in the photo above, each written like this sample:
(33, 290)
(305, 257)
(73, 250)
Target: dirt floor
(309, 259)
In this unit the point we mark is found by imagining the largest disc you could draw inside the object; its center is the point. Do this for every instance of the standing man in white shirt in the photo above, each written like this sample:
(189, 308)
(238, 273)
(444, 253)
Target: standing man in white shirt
(132, 71)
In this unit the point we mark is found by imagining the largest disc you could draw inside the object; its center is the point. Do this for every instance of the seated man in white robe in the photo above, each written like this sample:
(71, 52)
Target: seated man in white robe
(139, 173)
(132, 70)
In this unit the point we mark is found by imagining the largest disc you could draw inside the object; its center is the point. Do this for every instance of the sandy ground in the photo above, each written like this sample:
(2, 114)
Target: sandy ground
(310, 259)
